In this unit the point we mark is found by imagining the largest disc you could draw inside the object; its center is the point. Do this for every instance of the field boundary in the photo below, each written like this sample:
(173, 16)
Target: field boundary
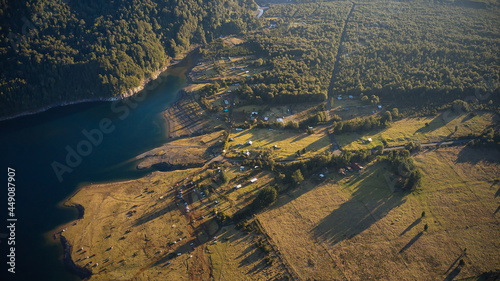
(287, 265)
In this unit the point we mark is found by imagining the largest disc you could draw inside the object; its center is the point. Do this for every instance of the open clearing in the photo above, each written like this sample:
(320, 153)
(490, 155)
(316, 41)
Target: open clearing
(194, 150)
(415, 129)
(356, 228)
(288, 142)
(135, 223)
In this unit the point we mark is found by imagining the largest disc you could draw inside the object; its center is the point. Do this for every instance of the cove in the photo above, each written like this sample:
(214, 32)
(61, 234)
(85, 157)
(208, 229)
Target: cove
(102, 139)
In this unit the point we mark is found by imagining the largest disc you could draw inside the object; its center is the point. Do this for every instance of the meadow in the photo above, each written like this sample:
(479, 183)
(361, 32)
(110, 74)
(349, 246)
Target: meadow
(357, 228)
(138, 230)
(420, 130)
(288, 142)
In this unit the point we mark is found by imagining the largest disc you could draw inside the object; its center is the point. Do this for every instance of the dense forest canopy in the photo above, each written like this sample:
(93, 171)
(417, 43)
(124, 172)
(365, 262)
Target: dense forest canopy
(54, 51)
(416, 50)
(426, 52)
(411, 53)
(300, 46)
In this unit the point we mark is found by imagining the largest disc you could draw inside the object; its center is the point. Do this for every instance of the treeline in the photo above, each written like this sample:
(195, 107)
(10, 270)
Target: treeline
(420, 54)
(490, 137)
(363, 124)
(55, 51)
(298, 52)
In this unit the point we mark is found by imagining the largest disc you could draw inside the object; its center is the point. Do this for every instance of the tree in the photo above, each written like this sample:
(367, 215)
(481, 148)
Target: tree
(297, 177)
(266, 197)
(395, 112)
(223, 177)
(387, 117)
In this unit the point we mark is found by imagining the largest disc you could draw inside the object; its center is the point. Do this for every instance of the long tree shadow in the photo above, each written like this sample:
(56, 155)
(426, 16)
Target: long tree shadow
(153, 215)
(497, 210)
(417, 221)
(453, 274)
(455, 262)
(474, 155)
(370, 202)
(438, 122)
(412, 241)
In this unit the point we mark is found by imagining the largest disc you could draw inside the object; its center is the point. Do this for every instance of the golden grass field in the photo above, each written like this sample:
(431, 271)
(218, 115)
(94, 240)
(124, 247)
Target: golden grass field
(288, 142)
(414, 129)
(356, 228)
(138, 218)
(193, 150)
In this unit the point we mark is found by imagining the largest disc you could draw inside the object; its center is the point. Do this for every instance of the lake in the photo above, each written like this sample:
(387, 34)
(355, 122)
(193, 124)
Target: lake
(57, 151)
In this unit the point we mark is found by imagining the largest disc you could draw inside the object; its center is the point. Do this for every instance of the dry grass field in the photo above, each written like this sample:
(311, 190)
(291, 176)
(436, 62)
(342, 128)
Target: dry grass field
(415, 129)
(288, 142)
(193, 150)
(356, 228)
(128, 231)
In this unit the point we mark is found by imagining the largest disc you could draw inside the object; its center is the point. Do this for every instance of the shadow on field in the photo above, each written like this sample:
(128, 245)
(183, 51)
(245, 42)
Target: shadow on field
(153, 215)
(454, 263)
(453, 274)
(417, 221)
(370, 202)
(474, 155)
(412, 241)
(438, 122)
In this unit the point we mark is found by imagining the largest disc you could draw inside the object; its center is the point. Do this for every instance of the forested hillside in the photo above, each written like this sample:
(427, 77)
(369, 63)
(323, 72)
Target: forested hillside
(409, 53)
(55, 51)
(299, 46)
(419, 52)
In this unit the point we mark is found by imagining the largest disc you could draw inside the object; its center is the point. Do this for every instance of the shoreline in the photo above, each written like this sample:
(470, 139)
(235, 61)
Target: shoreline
(126, 94)
(83, 273)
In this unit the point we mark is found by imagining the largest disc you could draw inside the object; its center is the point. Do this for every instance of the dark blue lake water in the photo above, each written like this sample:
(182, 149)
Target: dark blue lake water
(33, 144)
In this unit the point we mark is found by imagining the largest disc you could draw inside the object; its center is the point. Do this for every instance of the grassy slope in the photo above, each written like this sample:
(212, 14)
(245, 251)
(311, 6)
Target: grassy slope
(288, 142)
(156, 223)
(356, 228)
(414, 129)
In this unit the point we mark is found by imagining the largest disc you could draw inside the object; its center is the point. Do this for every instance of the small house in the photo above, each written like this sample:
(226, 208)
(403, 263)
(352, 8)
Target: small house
(249, 142)
(253, 180)
(357, 167)
(237, 186)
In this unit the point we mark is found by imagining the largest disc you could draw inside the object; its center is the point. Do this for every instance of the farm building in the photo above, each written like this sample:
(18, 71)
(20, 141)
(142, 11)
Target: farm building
(357, 167)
